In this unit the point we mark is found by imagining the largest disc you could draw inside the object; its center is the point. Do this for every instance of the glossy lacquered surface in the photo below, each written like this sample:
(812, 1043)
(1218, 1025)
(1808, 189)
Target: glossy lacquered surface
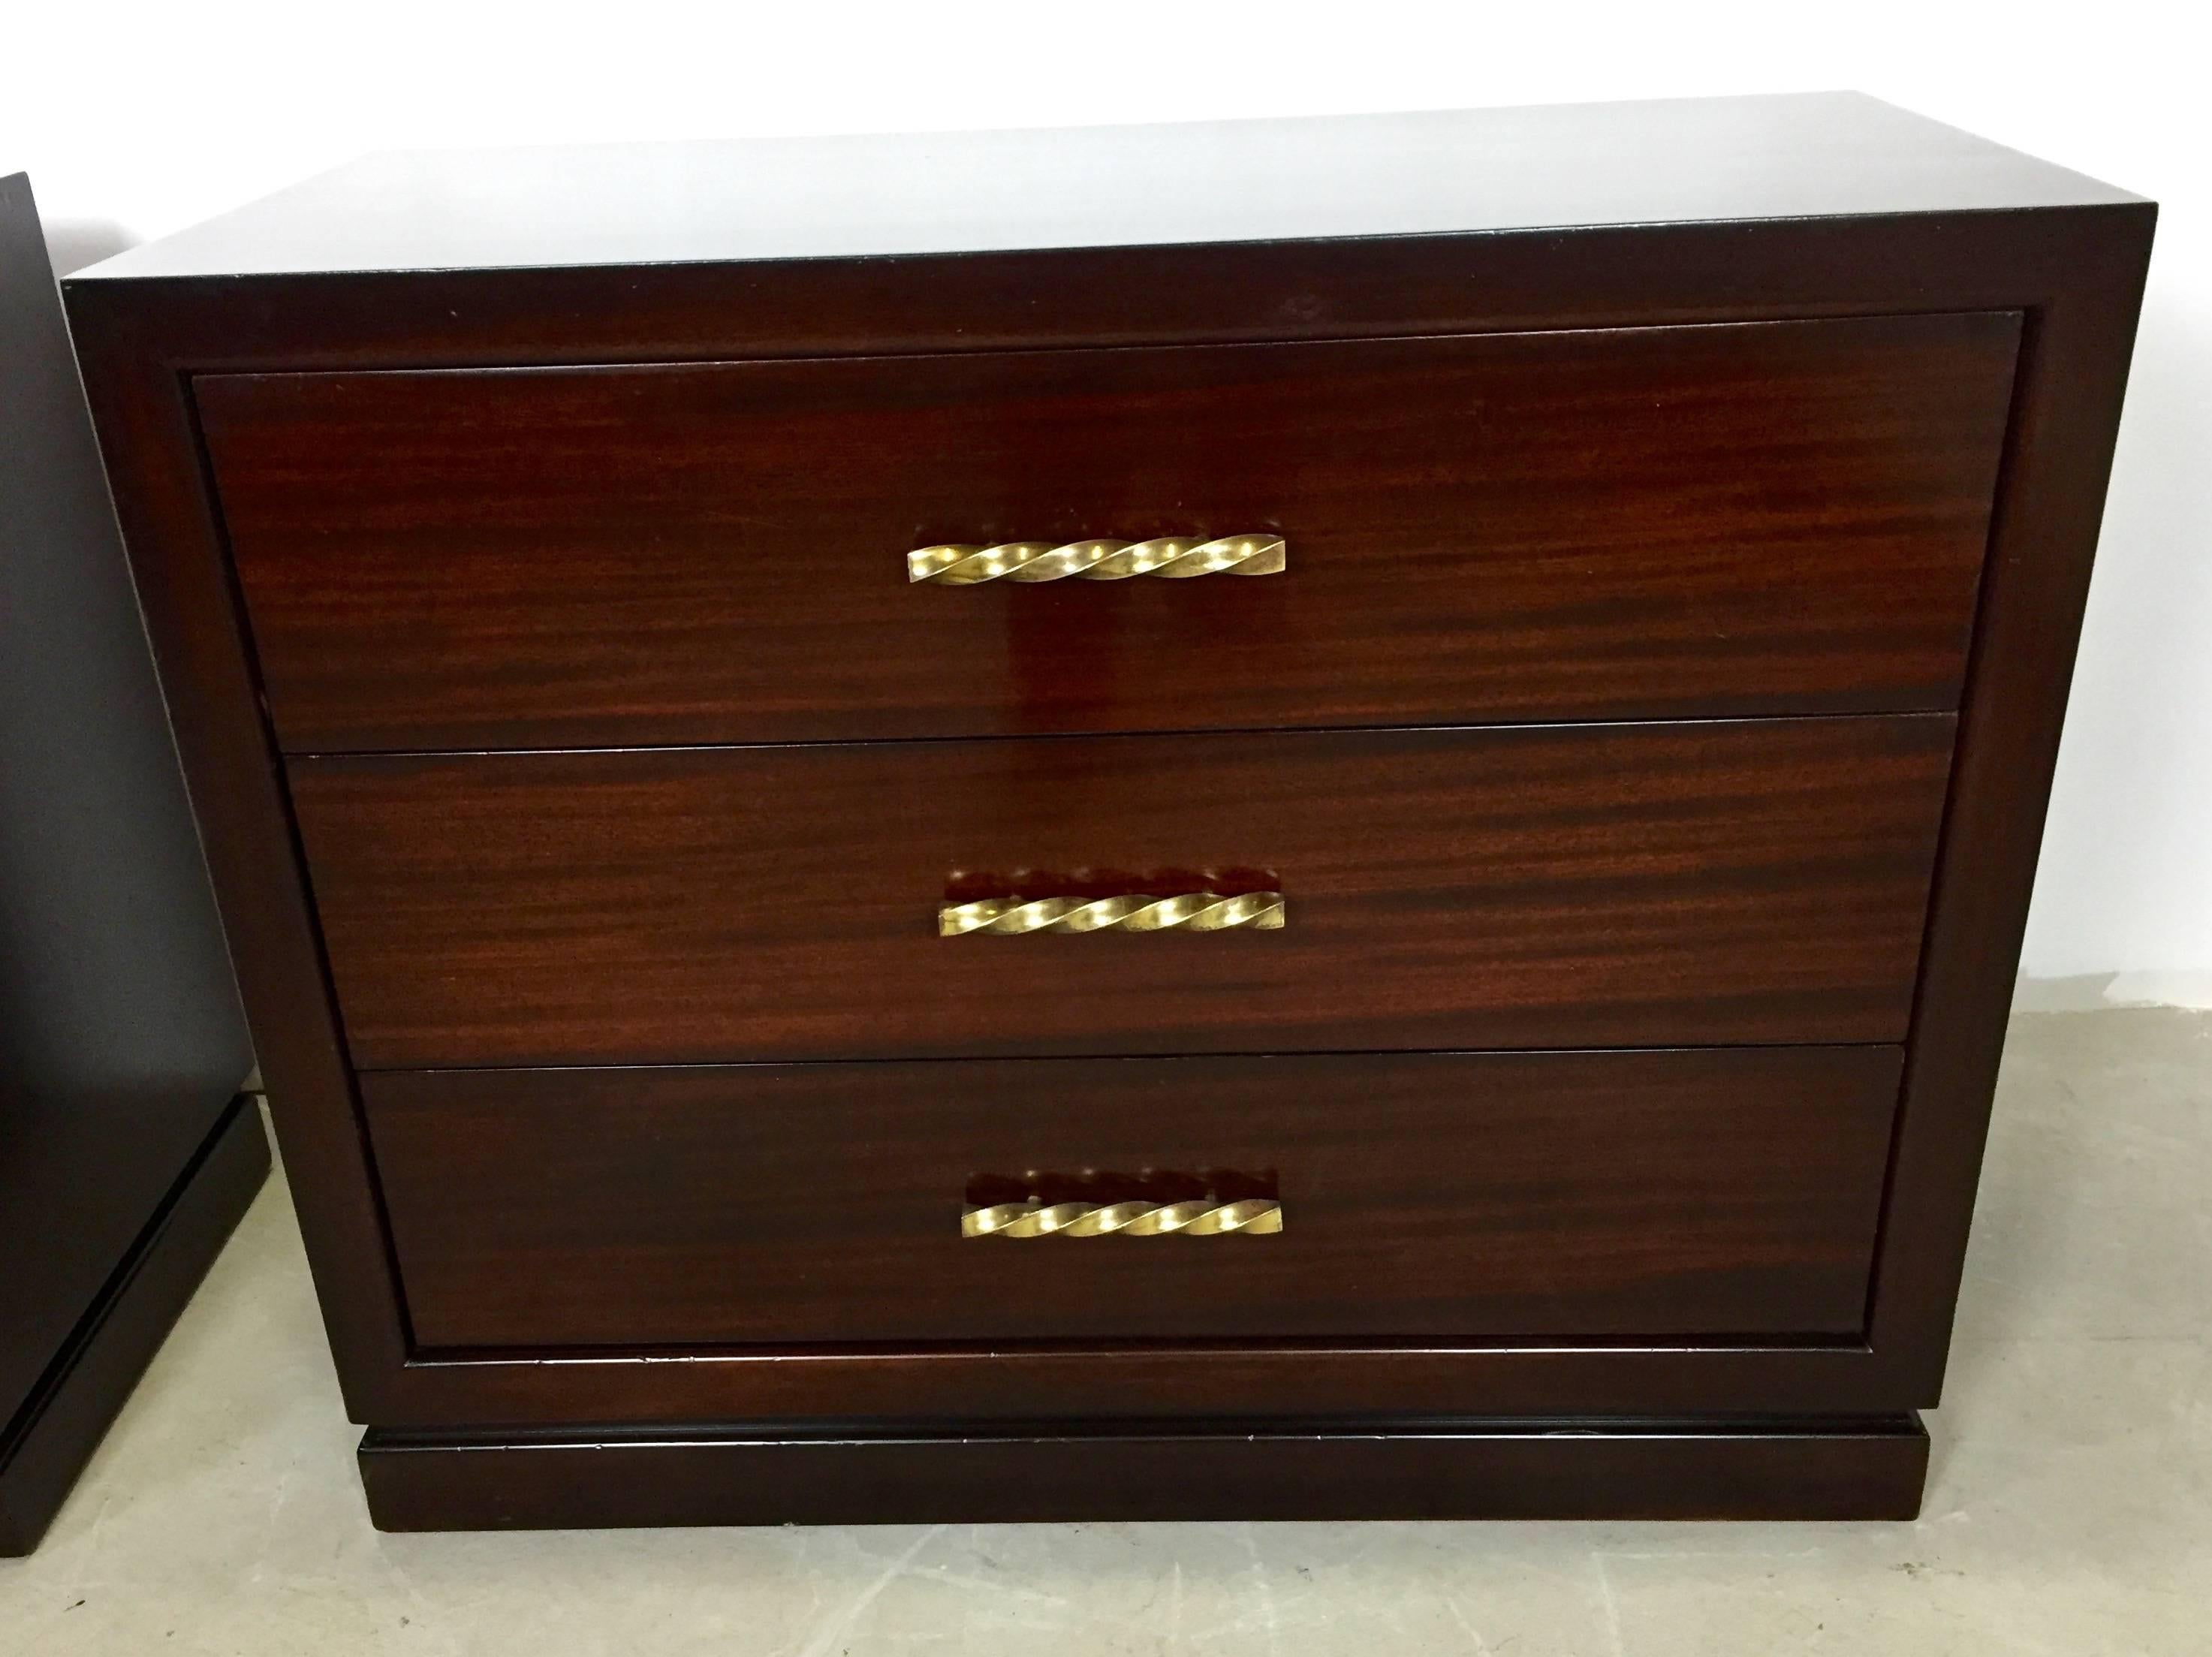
(1634, 919)
(1586, 524)
(1865, 1467)
(1438, 1197)
(1746, 880)
(1434, 173)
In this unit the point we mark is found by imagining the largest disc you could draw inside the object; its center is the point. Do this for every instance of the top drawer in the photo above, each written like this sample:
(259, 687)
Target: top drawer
(1741, 518)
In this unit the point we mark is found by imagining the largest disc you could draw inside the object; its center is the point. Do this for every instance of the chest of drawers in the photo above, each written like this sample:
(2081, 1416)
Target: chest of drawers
(1282, 819)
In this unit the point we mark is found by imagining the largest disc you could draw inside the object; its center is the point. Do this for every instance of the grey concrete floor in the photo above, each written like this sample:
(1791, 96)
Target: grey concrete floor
(2070, 1511)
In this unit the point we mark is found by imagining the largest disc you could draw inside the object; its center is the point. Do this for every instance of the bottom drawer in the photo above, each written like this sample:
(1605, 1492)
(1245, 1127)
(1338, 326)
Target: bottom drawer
(1560, 1196)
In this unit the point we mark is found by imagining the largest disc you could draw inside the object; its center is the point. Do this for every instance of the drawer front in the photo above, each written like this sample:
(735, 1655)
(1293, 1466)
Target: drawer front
(1722, 519)
(1554, 1196)
(1729, 881)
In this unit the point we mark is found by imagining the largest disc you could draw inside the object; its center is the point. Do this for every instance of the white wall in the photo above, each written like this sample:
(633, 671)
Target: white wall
(136, 117)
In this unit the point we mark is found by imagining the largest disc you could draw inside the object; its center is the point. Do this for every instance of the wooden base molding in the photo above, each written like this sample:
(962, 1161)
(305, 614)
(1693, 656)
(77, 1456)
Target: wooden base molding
(1867, 1467)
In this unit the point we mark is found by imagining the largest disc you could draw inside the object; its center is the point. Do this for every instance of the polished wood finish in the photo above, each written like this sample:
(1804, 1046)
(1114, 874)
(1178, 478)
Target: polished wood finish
(1572, 168)
(1631, 523)
(1761, 210)
(1867, 1467)
(1551, 887)
(1428, 1196)
(122, 1043)
(2066, 416)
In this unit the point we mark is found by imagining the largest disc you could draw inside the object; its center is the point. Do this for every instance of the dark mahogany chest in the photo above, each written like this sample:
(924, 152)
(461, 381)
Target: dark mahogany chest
(1283, 819)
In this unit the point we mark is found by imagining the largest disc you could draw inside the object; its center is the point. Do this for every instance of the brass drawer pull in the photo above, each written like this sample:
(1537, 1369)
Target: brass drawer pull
(1196, 912)
(1257, 1216)
(1099, 560)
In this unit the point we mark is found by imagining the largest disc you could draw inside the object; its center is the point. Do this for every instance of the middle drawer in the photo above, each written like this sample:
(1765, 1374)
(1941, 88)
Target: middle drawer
(1707, 883)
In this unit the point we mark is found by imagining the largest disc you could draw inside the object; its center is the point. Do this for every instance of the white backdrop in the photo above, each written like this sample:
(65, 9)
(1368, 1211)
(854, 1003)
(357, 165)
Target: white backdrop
(135, 117)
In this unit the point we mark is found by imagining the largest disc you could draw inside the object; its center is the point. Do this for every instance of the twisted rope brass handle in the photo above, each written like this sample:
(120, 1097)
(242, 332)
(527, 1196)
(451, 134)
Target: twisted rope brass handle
(1196, 912)
(1098, 561)
(1255, 1216)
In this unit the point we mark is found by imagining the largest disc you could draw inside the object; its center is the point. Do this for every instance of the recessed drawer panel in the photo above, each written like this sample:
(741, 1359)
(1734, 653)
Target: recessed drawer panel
(1566, 886)
(1744, 519)
(1552, 1196)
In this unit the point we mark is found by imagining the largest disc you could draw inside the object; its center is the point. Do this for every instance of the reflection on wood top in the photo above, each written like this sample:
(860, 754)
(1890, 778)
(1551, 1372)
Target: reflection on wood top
(1692, 160)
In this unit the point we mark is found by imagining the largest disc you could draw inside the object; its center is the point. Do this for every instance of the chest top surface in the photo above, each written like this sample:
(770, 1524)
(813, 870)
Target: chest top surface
(1796, 156)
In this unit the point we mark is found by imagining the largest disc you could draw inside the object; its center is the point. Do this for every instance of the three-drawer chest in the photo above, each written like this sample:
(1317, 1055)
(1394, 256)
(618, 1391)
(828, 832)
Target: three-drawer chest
(1280, 819)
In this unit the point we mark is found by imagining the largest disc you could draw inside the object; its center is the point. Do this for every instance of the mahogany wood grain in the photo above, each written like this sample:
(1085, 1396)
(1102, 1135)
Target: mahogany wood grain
(1737, 881)
(1759, 518)
(1452, 1197)
(146, 427)
(1839, 209)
